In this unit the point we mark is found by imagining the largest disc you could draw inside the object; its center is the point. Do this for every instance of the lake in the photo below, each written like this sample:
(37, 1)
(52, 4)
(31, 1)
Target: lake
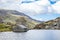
(31, 35)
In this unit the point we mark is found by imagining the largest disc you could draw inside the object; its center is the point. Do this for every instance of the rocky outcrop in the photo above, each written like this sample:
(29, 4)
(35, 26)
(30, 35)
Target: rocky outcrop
(20, 28)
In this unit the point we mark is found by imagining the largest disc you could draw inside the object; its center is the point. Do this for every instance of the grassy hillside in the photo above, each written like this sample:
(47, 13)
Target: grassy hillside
(10, 20)
(51, 24)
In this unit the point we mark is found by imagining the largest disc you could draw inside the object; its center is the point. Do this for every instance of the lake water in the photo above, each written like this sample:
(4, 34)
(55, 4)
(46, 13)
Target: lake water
(31, 35)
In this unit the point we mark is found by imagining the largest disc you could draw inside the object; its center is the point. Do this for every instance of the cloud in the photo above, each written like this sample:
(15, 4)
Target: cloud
(40, 6)
(10, 1)
(42, 2)
(34, 8)
(10, 4)
(41, 19)
(56, 7)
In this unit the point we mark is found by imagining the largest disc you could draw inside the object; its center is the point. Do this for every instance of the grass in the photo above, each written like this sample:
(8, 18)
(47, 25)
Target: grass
(4, 27)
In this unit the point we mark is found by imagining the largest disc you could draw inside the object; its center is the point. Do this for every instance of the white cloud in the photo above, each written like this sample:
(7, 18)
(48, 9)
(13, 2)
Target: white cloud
(10, 1)
(41, 6)
(56, 7)
(43, 2)
(50, 9)
(10, 4)
(40, 19)
(35, 7)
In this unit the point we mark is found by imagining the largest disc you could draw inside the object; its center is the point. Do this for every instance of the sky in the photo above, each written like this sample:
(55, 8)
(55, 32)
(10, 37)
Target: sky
(43, 10)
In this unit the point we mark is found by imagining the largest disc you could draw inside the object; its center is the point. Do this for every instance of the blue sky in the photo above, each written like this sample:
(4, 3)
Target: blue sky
(43, 10)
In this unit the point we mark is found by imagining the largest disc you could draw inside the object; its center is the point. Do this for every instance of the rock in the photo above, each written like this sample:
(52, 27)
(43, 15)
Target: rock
(20, 28)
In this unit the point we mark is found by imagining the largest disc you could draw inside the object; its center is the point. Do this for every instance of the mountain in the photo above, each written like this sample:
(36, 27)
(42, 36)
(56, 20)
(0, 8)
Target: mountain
(4, 12)
(11, 18)
(51, 24)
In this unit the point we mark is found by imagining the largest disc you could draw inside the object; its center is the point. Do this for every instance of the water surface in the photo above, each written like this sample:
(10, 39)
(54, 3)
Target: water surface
(31, 35)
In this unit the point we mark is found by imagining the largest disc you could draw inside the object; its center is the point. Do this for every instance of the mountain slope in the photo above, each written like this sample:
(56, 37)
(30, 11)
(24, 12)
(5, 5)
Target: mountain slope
(11, 16)
(51, 24)
(5, 12)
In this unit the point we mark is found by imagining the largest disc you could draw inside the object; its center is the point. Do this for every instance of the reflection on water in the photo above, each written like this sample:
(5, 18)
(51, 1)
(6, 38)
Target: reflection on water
(31, 35)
